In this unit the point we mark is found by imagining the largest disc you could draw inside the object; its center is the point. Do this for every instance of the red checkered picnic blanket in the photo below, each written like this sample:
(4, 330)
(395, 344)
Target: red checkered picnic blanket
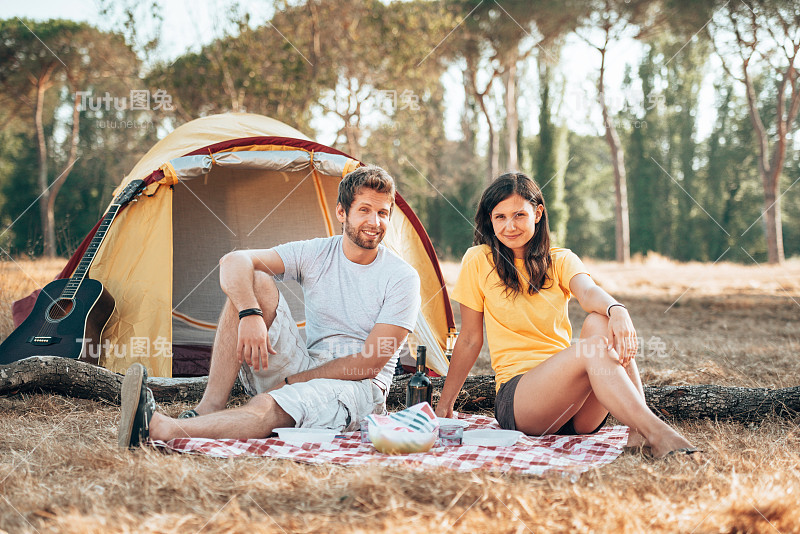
(532, 455)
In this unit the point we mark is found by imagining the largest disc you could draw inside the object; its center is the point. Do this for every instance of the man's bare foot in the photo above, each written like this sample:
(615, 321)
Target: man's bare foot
(159, 426)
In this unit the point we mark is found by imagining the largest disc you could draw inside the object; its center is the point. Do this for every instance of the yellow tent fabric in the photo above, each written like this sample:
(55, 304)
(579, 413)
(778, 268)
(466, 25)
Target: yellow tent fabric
(136, 262)
(400, 239)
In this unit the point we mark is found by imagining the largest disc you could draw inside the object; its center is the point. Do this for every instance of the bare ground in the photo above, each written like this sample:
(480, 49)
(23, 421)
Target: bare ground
(60, 470)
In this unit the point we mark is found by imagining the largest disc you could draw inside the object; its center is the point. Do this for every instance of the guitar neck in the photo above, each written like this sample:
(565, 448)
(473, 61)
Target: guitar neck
(88, 256)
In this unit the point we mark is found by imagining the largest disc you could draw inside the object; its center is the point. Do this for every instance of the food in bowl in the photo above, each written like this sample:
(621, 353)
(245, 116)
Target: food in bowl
(390, 441)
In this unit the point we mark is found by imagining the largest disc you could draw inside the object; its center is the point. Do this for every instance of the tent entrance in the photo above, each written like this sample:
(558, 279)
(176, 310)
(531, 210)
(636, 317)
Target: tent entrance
(233, 208)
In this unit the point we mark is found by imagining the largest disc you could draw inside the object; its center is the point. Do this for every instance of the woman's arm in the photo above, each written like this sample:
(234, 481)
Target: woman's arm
(621, 333)
(468, 347)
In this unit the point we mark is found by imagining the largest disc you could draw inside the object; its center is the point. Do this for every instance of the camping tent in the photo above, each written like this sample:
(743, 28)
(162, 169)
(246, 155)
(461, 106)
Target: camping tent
(216, 184)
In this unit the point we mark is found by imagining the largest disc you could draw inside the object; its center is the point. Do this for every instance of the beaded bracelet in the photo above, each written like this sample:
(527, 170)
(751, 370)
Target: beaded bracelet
(250, 311)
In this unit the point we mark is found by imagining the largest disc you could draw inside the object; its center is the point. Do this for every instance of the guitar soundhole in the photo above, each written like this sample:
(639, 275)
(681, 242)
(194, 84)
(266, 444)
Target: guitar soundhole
(60, 309)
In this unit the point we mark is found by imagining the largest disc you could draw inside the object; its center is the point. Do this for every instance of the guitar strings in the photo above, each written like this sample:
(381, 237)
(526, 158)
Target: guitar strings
(50, 326)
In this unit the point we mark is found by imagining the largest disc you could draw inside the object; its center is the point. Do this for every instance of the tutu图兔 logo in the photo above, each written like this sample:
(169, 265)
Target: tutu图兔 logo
(138, 100)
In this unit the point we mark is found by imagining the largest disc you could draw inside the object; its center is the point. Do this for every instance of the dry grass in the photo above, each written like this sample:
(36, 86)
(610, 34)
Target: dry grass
(17, 279)
(61, 472)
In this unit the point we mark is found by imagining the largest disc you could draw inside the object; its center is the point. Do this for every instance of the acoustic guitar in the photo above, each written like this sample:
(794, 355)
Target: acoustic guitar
(70, 314)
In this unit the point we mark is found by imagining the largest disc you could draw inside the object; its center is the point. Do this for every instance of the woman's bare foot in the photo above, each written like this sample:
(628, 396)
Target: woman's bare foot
(635, 440)
(669, 442)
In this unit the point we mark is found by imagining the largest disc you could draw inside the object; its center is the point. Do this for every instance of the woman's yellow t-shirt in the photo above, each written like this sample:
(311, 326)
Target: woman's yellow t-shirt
(525, 330)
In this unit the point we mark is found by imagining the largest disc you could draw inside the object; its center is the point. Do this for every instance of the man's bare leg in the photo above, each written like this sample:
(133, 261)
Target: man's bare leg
(224, 360)
(254, 420)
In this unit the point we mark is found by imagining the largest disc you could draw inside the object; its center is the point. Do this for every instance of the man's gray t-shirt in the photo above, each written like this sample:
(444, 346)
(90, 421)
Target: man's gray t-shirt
(344, 300)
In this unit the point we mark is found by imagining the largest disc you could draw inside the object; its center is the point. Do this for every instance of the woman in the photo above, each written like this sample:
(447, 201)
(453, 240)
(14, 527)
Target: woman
(520, 287)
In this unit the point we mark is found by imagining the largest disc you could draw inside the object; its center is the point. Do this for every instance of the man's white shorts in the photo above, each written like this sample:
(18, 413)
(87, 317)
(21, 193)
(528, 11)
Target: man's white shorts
(319, 403)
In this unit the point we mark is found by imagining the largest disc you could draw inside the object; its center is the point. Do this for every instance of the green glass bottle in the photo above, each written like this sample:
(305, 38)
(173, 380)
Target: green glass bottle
(419, 387)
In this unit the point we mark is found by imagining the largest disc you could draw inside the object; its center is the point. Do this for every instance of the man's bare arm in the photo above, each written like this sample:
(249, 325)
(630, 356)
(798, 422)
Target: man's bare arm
(236, 271)
(236, 277)
(381, 344)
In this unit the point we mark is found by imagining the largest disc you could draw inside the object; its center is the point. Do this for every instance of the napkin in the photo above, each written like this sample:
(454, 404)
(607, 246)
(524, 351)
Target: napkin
(411, 430)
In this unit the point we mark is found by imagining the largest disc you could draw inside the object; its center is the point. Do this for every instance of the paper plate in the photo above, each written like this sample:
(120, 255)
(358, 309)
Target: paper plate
(445, 421)
(491, 438)
(305, 435)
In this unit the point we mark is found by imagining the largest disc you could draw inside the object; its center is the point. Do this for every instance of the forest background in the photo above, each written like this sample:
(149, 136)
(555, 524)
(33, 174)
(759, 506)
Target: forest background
(646, 166)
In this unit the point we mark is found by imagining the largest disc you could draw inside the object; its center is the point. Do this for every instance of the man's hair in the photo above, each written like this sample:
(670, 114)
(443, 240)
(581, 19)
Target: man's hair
(369, 177)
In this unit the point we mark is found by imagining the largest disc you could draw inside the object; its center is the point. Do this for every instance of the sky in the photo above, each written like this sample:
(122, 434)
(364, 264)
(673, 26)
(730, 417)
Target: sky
(193, 23)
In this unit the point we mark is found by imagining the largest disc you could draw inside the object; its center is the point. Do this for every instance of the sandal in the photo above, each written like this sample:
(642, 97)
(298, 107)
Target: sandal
(688, 451)
(137, 409)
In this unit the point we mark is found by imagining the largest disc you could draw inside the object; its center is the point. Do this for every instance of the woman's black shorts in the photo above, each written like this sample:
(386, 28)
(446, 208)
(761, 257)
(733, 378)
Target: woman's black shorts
(504, 410)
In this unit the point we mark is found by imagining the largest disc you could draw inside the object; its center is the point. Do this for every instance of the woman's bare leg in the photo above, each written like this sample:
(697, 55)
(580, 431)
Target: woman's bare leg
(592, 413)
(587, 372)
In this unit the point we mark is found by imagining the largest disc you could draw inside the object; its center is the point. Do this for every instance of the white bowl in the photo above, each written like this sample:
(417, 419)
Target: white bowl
(488, 437)
(446, 421)
(305, 435)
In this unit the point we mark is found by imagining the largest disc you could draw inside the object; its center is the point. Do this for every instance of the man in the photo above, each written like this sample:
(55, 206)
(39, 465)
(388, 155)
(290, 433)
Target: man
(361, 302)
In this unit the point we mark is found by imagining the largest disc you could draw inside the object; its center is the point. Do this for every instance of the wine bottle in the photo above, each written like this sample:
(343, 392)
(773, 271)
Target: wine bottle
(419, 387)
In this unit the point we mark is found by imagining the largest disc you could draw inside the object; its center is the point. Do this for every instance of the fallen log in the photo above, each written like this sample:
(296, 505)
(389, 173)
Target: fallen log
(722, 403)
(82, 380)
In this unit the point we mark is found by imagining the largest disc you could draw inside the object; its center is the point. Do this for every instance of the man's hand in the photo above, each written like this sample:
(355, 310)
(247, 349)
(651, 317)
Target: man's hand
(253, 346)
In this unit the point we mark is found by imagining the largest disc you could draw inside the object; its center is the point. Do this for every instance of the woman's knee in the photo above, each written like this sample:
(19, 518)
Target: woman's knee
(594, 324)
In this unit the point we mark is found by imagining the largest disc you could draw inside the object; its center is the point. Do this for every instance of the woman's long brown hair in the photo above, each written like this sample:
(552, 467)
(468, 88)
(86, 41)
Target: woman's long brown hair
(537, 251)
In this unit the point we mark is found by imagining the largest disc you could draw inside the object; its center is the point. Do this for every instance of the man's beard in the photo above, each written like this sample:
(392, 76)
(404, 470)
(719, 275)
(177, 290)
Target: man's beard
(359, 239)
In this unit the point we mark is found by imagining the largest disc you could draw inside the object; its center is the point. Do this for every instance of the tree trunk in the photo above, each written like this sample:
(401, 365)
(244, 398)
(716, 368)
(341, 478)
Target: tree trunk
(468, 120)
(316, 48)
(772, 219)
(79, 379)
(494, 166)
(512, 117)
(493, 156)
(352, 134)
(352, 120)
(82, 380)
(48, 224)
(621, 226)
(55, 187)
(770, 168)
